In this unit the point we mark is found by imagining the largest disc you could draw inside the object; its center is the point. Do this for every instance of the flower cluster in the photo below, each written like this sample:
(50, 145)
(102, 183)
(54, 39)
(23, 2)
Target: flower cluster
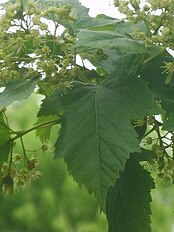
(19, 176)
(161, 143)
(33, 44)
(158, 19)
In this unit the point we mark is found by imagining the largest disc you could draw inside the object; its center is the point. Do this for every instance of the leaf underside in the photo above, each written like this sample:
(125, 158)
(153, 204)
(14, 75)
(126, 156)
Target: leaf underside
(17, 91)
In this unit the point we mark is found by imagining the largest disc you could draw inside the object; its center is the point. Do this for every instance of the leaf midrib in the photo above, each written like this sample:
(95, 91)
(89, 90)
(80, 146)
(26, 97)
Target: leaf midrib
(124, 209)
(13, 90)
(97, 135)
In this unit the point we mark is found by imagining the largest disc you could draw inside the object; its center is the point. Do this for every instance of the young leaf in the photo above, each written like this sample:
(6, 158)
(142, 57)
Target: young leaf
(96, 135)
(44, 132)
(128, 202)
(17, 91)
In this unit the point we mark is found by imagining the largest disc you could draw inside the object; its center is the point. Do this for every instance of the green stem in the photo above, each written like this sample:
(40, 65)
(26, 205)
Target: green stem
(6, 126)
(149, 132)
(42, 89)
(19, 134)
(24, 151)
(54, 41)
(151, 58)
(161, 142)
(11, 154)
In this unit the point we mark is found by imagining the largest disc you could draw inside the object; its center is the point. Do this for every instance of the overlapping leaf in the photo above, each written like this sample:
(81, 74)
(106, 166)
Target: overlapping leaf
(96, 135)
(128, 202)
(44, 132)
(4, 140)
(116, 61)
(83, 19)
(17, 91)
(169, 123)
(88, 39)
(154, 73)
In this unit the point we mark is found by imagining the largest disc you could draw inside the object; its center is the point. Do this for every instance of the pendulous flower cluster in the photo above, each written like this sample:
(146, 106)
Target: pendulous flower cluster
(18, 176)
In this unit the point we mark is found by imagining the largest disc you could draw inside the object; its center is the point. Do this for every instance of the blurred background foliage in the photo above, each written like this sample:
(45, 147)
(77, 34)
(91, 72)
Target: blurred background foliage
(55, 203)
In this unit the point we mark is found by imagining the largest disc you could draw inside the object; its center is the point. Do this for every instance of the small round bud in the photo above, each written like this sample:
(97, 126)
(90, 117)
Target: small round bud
(165, 31)
(32, 163)
(43, 26)
(16, 158)
(146, 8)
(167, 179)
(151, 120)
(44, 147)
(116, 3)
(161, 175)
(149, 140)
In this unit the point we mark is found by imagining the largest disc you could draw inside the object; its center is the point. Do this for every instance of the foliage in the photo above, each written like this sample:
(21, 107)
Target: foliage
(123, 108)
(121, 211)
(55, 203)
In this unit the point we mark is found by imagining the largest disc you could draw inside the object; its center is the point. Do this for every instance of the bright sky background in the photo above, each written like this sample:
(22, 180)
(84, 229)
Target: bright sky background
(101, 7)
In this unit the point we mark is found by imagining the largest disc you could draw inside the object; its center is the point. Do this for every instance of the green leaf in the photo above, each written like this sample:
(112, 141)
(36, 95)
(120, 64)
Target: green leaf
(145, 155)
(49, 103)
(17, 91)
(169, 123)
(97, 135)
(128, 202)
(44, 132)
(128, 27)
(104, 22)
(4, 152)
(4, 131)
(82, 13)
(89, 40)
(118, 62)
(4, 140)
(153, 73)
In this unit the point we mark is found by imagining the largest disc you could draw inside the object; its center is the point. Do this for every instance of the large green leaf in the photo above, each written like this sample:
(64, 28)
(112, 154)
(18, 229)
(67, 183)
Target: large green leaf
(89, 40)
(17, 91)
(97, 135)
(128, 202)
(102, 23)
